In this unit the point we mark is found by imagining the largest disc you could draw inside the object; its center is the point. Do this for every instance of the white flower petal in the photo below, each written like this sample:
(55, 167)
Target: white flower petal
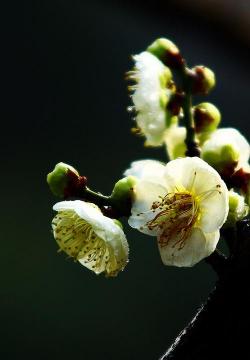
(153, 126)
(87, 211)
(198, 246)
(184, 171)
(152, 170)
(65, 205)
(212, 240)
(214, 209)
(139, 221)
(115, 256)
(150, 89)
(175, 141)
(149, 71)
(146, 193)
(96, 241)
(232, 137)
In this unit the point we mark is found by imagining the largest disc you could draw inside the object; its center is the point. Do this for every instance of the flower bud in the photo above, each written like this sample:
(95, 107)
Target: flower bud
(60, 178)
(206, 117)
(224, 158)
(123, 190)
(166, 51)
(226, 150)
(203, 80)
(237, 209)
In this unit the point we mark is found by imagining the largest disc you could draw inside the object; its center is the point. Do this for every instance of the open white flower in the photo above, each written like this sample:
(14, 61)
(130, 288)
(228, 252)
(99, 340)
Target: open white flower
(151, 95)
(183, 203)
(226, 147)
(84, 233)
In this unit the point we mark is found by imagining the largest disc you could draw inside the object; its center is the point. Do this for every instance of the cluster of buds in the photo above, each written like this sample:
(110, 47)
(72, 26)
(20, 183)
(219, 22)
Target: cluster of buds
(184, 202)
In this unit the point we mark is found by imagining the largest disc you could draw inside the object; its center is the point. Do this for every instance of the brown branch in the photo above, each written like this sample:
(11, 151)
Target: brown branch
(220, 327)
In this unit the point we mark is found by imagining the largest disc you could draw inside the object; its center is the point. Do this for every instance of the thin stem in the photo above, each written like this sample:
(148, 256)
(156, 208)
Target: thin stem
(110, 206)
(191, 143)
(96, 197)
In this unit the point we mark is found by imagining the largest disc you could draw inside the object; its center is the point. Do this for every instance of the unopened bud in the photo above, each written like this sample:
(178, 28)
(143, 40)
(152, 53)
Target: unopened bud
(223, 158)
(206, 117)
(166, 51)
(226, 150)
(238, 209)
(123, 189)
(62, 178)
(202, 79)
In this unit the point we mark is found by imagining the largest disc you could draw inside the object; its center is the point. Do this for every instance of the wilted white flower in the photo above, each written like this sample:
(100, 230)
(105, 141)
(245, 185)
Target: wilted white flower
(84, 233)
(183, 203)
(151, 95)
(226, 148)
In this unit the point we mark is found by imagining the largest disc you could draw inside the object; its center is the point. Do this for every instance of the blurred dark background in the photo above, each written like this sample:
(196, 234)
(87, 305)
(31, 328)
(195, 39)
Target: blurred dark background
(72, 108)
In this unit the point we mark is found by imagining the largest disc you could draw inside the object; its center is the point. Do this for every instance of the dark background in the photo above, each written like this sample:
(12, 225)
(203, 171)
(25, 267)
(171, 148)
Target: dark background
(73, 109)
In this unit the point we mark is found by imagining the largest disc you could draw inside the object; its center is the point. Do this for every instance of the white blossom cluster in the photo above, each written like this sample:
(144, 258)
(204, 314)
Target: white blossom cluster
(183, 203)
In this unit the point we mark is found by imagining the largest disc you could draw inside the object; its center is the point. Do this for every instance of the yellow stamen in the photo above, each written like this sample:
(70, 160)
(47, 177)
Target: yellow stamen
(177, 214)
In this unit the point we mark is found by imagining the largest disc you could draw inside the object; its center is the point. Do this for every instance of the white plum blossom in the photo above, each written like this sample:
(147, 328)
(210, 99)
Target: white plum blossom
(226, 147)
(183, 203)
(84, 233)
(151, 95)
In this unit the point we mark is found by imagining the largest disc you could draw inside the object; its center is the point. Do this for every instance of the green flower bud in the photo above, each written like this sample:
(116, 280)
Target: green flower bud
(166, 51)
(160, 46)
(203, 80)
(237, 209)
(60, 178)
(206, 117)
(227, 151)
(224, 158)
(123, 190)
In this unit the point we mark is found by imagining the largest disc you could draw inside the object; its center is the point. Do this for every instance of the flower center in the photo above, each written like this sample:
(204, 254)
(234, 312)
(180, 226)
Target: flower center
(176, 215)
